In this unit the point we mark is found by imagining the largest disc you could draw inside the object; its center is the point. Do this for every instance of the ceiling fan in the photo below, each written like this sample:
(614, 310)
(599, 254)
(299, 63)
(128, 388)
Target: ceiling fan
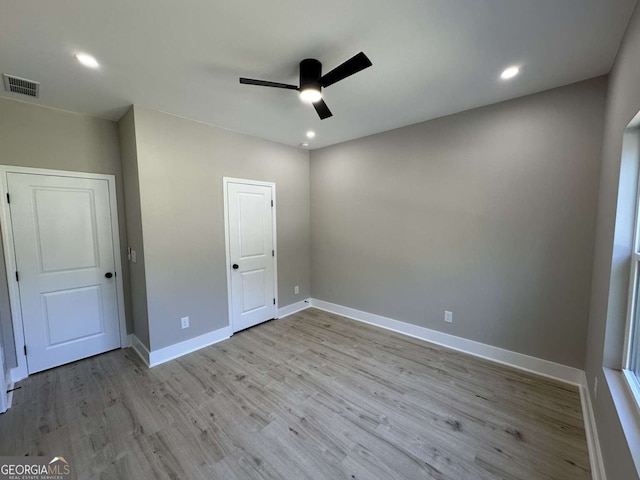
(312, 81)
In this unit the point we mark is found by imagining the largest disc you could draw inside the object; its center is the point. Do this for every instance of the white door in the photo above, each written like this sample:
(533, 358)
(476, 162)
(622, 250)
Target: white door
(3, 384)
(66, 267)
(251, 254)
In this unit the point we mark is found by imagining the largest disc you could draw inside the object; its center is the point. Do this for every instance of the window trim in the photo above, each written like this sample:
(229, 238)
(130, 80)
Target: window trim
(633, 384)
(633, 302)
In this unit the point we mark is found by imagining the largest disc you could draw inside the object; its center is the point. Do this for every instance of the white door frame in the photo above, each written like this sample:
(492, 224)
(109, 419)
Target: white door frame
(225, 183)
(21, 371)
(4, 396)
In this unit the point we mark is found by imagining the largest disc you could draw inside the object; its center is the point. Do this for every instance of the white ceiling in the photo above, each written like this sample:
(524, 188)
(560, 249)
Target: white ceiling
(430, 57)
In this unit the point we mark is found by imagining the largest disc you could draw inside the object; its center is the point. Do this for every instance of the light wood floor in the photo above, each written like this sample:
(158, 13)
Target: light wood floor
(310, 396)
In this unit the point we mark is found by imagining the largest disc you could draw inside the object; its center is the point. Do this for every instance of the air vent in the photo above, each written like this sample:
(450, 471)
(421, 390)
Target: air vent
(21, 85)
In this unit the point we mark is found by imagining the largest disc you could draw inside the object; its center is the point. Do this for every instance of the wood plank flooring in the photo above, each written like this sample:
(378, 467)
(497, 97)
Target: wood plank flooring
(311, 396)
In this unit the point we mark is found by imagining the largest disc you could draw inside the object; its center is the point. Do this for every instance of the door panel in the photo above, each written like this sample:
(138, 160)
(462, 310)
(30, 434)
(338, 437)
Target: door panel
(251, 224)
(73, 314)
(64, 247)
(254, 290)
(59, 251)
(250, 227)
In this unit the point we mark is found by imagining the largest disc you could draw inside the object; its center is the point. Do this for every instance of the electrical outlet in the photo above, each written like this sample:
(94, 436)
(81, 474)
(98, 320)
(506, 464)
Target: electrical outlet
(448, 316)
(595, 387)
(184, 321)
(296, 290)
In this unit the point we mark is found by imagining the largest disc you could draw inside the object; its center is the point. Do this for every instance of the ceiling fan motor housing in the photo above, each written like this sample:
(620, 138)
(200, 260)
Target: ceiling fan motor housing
(310, 73)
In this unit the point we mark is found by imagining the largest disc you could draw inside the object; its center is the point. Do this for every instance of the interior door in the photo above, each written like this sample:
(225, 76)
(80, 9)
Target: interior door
(66, 267)
(251, 252)
(3, 384)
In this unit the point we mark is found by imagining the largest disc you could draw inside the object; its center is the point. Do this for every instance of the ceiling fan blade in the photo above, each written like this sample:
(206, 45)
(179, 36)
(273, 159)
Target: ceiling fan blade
(264, 83)
(348, 68)
(322, 109)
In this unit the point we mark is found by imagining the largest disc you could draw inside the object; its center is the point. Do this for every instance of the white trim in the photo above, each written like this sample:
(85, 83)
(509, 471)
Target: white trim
(162, 355)
(632, 295)
(631, 309)
(633, 271)
(225, 183)
(10, 386)
(591, 432)
(21, 371)
(633, 385)
(294, 308)
(627, 411)
(275, 245)
(521, 361)
(7, 397)
(4, 385)
(140, 349)
(119, 271)
(17, 373)
(227, 253)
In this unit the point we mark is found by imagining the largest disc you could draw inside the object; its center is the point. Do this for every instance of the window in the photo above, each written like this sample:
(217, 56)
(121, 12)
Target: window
(631, 361)
(631, 354)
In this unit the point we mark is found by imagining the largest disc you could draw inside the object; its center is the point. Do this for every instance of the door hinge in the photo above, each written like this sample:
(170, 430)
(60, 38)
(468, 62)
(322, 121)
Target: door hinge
(25, 350)
(17, 277)
(9, 198)
(273, 253)
(271, 201)
(274, 301)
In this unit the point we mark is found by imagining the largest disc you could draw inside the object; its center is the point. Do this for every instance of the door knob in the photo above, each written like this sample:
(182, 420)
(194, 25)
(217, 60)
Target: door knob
(235, 266)
(108, 274)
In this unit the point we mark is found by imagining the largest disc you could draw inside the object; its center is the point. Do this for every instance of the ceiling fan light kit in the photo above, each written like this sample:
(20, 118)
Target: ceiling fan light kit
(310, 95)
(312, 81)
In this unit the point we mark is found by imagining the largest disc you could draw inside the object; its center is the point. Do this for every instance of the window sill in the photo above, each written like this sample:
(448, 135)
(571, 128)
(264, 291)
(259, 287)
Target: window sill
(627, 409)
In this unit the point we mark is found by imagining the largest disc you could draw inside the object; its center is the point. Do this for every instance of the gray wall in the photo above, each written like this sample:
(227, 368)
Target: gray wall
(489, 213)
(34, 136)
(180, 166)
(129, 156)
(611, 265)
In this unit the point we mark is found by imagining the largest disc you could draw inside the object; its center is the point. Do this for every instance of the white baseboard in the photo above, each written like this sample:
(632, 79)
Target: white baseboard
(506, 357)
(139, 348)
(626, 408)
(156, 357)
(591, 432)
(294, 308)
(5, 394)
(162, 355)
(535, 365)
(18, 373)
(10, 386)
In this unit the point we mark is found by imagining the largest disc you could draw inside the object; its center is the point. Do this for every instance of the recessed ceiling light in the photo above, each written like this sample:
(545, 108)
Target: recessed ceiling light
(305, 144)
(310, 95)
(87, 60)
(510, 73)
(311, 134)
